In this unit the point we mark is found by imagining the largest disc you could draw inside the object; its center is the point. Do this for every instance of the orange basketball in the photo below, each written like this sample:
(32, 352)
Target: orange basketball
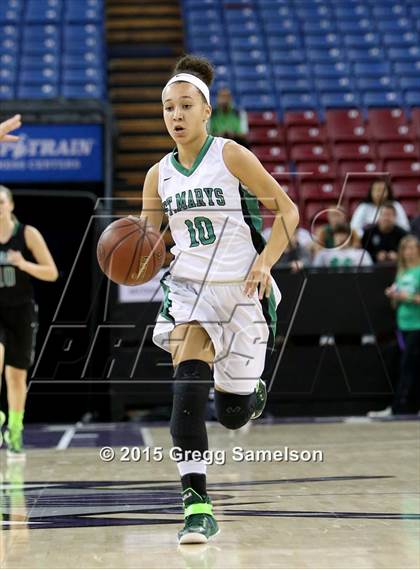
(130, 252)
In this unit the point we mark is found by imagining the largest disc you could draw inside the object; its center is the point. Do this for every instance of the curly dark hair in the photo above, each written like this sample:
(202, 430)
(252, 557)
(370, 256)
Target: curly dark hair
(195, 65)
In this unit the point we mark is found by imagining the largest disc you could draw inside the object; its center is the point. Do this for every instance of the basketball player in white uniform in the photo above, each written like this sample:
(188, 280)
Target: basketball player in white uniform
(218, 317)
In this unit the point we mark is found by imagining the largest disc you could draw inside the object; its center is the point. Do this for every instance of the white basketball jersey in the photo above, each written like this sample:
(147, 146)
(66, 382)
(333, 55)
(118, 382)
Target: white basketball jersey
(214, 221)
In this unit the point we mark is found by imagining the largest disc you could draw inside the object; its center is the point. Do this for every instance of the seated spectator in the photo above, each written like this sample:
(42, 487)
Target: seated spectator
(324, 235)
(297, 254)
(227, 121)
(366, 212)
(344, 254)
(382, 239)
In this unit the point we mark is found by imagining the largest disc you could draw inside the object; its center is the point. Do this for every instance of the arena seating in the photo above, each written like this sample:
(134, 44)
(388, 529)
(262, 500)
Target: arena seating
(52, 48)
(332, 89)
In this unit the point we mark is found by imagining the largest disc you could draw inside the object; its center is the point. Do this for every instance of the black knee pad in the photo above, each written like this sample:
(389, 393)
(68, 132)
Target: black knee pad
(232, 410)
(193, 379)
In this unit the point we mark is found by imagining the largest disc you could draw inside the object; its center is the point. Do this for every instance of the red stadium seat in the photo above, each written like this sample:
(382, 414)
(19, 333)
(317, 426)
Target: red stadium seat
(318, 191)
(411, 207)
(345, 125)
(306, 134)
(415, 118)
(267, 216)
(389, 132)
(358, 167)
(396, 150)
(406, 186)
(301, 118)
(265, 118)
(287, 184)
(398, 167)
(266, 135)
(278, 167)
(389, 124)
(267, 153)
(317, 170)
(394, 116)
(315, 212)
(353, 151)
(309, 152)
(349, 133)
(355, 188)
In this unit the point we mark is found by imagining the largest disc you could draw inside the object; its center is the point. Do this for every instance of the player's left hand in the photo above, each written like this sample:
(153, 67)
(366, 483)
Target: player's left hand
(7, 126)
(259, 277)
(15, 258)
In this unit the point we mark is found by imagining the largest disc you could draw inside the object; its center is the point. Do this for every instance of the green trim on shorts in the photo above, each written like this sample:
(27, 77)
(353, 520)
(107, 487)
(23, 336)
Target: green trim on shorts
(167, 302)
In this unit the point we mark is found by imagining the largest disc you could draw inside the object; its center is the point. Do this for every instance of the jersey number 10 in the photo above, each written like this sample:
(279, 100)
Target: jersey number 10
(201, 231)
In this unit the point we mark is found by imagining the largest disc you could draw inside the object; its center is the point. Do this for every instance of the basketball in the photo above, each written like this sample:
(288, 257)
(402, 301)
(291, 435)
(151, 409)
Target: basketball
(130, 252)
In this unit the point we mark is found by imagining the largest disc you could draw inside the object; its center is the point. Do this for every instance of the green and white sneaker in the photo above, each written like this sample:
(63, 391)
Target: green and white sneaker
(200, 524)
(261, 393)
(14, 441)
(2, 421)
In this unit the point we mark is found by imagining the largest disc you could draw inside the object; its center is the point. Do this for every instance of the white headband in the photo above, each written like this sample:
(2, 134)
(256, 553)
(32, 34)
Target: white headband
(188, 78)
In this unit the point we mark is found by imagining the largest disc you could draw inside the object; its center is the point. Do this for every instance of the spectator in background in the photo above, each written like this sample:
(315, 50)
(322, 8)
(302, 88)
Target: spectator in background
(324, 235)
(296, 255)
(8, 126)
(227, 121)
(299, 251)
(415, 224)
(366, 212)
(382, 239)
(345, 254)
(405, 297)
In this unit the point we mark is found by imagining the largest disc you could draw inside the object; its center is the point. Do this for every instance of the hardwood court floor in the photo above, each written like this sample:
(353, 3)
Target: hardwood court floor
(358, 508)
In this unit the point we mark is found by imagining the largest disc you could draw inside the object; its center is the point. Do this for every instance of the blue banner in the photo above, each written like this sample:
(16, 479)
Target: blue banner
(54, 153)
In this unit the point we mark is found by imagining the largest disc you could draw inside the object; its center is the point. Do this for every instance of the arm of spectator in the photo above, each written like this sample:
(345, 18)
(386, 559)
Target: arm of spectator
(243, 122)
(358, 220)
(402, 219)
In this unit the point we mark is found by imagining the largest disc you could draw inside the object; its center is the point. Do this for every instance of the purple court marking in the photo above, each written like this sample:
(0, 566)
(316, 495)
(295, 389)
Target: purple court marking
(85, 436)
(55, 504)
(90, 435)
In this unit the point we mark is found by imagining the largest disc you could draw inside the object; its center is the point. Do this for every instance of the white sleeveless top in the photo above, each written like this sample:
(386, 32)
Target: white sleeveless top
(215, 222)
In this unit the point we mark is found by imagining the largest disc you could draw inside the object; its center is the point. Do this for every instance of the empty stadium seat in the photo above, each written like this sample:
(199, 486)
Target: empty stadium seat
(398, 150)
(306, 134)
(301, 118)
(398, 167)
(276, 167)
(309, 152)
(353, 151)
(264, 135)
(274, 153)
(355, 188)
(406, 186)
(266, 118)
(317, 170)
(389, 125)
(348, 167)
(318, 191)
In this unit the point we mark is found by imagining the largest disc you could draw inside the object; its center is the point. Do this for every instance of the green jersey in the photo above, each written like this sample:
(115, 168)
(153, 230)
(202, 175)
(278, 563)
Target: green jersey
(408, 313)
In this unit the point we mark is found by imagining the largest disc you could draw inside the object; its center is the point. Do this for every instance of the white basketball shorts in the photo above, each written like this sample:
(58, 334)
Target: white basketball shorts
(240, 328)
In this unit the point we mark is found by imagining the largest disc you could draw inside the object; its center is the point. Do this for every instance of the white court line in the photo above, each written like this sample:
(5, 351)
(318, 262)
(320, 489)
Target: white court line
(19, 523)
(65, 440)
(147, 436)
